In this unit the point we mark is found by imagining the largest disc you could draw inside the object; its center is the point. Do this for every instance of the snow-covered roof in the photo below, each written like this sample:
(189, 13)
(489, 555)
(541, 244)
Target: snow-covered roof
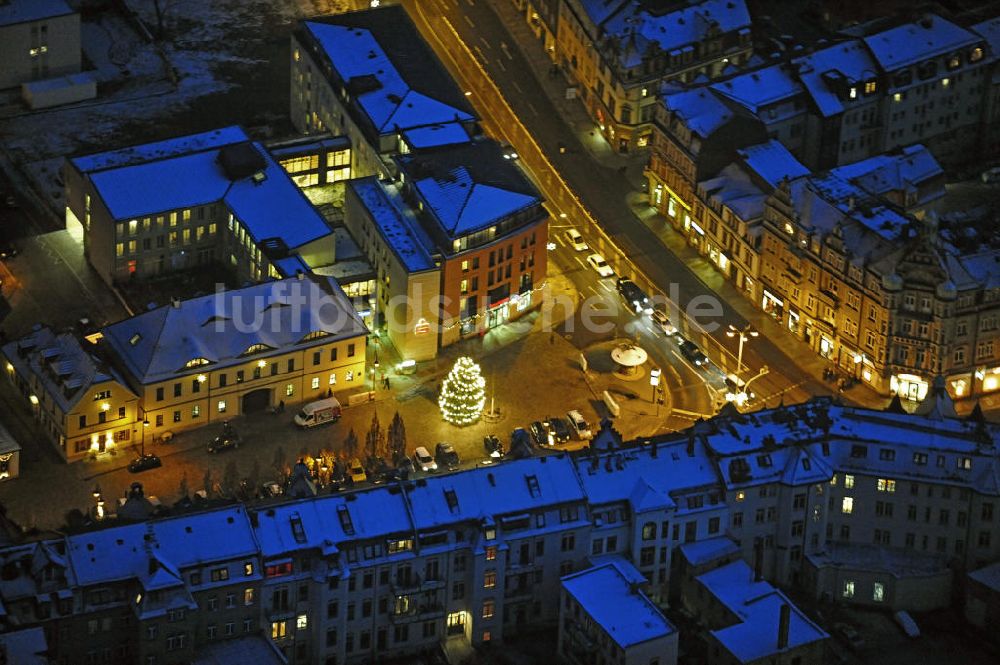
(988, 576)
(265, 319)
(124, 552)
(249, 649)
(914, 42)
(26, 646)
(700, 109)
(148, 152)
(632, 474)
(761, 87)
(307, 144)
(370, 52)
(906, 169)
(432, 136)
(757, 606)
(772, 162)
(525, 485)
(60, 364)
(990, 31)
(395, 223)
(468, 187)
(268, 203)
(22, 11)
(849, 60)
(893, 561)
(705, 551)
(637, 29)
(612, 600)
(734, 189)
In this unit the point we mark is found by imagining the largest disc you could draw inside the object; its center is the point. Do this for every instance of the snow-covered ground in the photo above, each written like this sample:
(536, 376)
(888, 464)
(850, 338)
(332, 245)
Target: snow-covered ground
(229, 66)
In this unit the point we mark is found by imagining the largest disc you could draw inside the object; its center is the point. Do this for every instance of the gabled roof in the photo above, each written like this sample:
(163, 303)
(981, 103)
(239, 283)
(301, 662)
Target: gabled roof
(610, 597)
(60, 363)
(23, 11)
(395, 78)
(761, 87)
(849, 60)
(914, 42)
(227, 327)
(463, 205)
(772, 161)
(700, 108)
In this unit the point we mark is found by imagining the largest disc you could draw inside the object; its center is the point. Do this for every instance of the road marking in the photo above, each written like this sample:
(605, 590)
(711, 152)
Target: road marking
(469, 21)
(501, 66)
(605, 286)
(506, 51)
(580, 261)
(485, 43)
(482, 56)
(533, 109)
(517, 86)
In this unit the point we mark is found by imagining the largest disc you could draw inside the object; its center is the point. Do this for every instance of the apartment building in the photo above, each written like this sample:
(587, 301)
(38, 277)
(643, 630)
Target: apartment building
(214, 197)
(207, 359)
(369, 76)
(605, 617)
(314, 160)
(39, 39)
(458, 244)
(620, 53)
(82, 404)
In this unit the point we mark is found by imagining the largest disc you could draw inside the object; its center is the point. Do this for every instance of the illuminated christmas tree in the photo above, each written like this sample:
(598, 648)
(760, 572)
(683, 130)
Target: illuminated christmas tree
(463, 394)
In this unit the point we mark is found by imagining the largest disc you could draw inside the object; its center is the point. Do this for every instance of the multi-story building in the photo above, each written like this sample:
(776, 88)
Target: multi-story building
(371, 77)
(38, 40)
(239, 351)
(859, 506)
(215, 197)
(604, 617)
(83, 405)
(459, 244)
(314, 160)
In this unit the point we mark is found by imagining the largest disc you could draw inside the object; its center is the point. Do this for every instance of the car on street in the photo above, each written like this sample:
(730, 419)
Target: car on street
(540, 433)
(144, 463)
(662, 322)
(270, 489)
(559, 428)
(228, 440)
(356, 471)
(579, 426)
(850, 635)
(634, 297)
(693, 354)
(575, 240)
(493, 447)
(405, 467)
(8, 249)
(508, 151)
(445, 455)
(424, 460)
(598, 263)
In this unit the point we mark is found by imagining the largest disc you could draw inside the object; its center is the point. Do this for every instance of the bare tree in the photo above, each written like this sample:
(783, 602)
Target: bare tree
(397, 438)
(206, 482)
(230, 479)
(351, 444)
(183, 487)
(254, 477)
(375, 439)
(280, 460)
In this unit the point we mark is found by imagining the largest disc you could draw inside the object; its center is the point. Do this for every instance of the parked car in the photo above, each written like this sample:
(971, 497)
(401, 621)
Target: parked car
(405, 467)
(598, 263)
(559, 429)
(691, 351)
(424, 460)
(508, 151)
(445, 455)
(493, 447)
(579, 426)
(356, 471)
(905, 621)
(850, 635)
(575, 240)
(520, 444)
(271, 488)
(318, 413)
(540, 433)
(8, 249)
(228, 440)
(662, 322)
(144, 463)
(634, 297)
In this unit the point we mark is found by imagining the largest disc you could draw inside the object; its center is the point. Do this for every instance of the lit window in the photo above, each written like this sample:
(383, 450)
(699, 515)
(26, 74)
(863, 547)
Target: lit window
(848, 589)
(741, 495)
(898, 97)
(301, 622)
(222, 406)
(945, 82)
(491, 553)
(853, 93)
(848, 482)
(488, 608)
(886, 485)
(976, 55)
(289, 390)
(333, 379)
(847, 507)
(315, 383)
(490, 579)
(278, 629)
(248, 596)
(465, 266)
(878, 592)
(870, 87)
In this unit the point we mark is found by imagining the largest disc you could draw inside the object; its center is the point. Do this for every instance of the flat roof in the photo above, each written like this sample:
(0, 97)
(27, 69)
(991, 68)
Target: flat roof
(395, 223)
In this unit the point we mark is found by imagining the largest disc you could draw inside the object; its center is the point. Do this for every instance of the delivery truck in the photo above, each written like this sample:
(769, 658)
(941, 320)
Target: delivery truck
(319, 412)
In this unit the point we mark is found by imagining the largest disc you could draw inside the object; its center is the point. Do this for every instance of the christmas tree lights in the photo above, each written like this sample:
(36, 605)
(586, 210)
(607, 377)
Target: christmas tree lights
(463, 394)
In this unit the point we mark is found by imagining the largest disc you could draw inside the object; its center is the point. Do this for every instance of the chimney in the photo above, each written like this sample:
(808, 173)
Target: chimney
(758, 560)
(299, 275)
(783, 620)
(175, 302)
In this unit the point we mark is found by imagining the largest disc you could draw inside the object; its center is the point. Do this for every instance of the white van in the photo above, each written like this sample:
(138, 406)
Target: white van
(318, 413)
(575, 240)
(579, 426)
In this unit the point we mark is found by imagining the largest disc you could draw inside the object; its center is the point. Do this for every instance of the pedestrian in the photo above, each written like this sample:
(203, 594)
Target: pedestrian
(387, 383)
(552, 337)
(281, 406)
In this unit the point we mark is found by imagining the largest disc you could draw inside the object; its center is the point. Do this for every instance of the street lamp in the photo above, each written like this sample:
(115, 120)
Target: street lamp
(744, 334)
(374, 370)
(654, 381)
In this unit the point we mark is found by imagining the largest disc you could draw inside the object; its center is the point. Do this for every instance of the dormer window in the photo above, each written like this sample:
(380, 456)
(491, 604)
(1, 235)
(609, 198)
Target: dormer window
(134, 339)
(255, 348)
(954, 61)
(196, 362)
(871, 87)
(853, 92)
(316, 334)
(976, 54)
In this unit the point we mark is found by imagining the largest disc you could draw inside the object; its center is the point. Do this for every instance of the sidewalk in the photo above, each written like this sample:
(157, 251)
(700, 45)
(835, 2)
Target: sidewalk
(575, 115)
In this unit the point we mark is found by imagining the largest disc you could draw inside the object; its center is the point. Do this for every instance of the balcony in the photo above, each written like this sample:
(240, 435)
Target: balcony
(415, 583)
